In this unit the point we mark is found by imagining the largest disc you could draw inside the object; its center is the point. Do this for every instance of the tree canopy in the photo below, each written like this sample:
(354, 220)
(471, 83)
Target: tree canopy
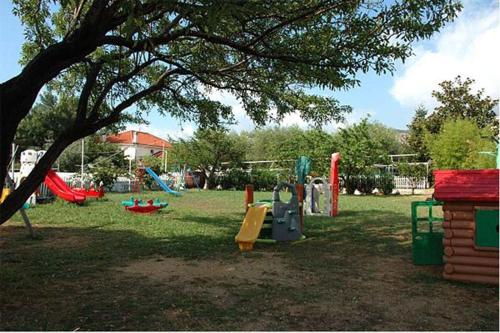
(207, 149)
(114, 54)
(359, 149)
(457, 100)
(459, 144)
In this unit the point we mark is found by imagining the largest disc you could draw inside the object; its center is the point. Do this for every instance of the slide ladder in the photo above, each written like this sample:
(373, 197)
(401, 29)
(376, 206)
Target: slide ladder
(250, 228)
(161, 183)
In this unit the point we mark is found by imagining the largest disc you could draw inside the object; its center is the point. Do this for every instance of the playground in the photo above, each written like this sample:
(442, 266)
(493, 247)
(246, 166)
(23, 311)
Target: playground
(97, 266)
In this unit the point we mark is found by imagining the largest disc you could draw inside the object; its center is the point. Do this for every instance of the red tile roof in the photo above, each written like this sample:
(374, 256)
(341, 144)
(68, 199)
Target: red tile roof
(466, 185)
(142, 139)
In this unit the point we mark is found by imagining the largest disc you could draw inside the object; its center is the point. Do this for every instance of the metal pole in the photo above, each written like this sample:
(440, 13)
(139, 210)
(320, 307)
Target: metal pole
(83, 156)
(129, 174)
(13, 161)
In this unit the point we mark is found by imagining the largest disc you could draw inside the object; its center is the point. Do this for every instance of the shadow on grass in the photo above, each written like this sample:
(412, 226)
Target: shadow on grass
(68, 279)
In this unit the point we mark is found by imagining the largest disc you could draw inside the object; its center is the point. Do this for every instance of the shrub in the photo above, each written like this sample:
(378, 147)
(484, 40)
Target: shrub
(104, 170)
(385, 183)
(233, 179)
(264, 180)
(366, 183)
(350, 184)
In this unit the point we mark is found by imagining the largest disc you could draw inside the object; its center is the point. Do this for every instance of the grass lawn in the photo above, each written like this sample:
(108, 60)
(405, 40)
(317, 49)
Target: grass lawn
(98, 267)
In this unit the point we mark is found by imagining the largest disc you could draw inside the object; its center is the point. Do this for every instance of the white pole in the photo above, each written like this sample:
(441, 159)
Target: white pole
(129, 174)
(13, 161)
(83, 155)
(163, 158)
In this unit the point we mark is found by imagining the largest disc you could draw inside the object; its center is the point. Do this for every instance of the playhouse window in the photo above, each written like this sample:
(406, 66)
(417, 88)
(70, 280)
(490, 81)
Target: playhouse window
(486, 227)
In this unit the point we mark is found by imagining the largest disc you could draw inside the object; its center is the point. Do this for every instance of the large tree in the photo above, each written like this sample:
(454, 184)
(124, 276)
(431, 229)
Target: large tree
(417, 130)
(459, 145)
(114, 54)
(207, 150)
(458, 100)
(360, 148)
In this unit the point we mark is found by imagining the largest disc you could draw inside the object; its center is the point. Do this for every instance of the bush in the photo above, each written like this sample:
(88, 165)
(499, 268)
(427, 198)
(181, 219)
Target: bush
(385, 183)
(233, 179)
(104, 171)
(350, 184)
(366, 183)
(264, 180)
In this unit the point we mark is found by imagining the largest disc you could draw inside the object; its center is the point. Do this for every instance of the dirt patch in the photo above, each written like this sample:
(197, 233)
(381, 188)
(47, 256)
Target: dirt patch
(214, 278)
(265, 268)
(390, 293)
(65, 241)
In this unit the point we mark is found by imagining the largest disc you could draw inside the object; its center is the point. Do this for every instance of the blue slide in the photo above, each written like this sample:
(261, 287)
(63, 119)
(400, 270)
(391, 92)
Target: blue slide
(161, 183)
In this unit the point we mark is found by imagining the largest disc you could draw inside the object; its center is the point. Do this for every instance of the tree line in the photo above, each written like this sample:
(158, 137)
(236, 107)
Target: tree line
(454, 136)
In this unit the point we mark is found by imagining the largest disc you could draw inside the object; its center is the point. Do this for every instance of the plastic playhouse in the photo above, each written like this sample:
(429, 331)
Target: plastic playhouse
(148, 207)
(468, 244)
(470, 224)
(328, 188)
(272, 220)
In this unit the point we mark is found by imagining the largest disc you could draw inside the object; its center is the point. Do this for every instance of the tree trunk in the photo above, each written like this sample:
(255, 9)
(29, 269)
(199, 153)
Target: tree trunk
(211, 179)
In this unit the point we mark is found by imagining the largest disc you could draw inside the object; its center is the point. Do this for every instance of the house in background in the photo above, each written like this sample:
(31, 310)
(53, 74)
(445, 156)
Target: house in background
(137, 144)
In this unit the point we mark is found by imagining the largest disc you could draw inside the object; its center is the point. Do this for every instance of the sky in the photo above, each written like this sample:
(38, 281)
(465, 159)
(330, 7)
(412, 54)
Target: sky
(468, 47)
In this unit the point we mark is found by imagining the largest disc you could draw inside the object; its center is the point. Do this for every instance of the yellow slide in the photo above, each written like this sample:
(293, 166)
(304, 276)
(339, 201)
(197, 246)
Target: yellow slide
(250, 228)
(5, 193)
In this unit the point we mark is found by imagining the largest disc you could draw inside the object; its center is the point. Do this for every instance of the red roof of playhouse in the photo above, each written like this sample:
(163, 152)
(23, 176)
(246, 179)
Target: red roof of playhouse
(466, 185)
(142, 138)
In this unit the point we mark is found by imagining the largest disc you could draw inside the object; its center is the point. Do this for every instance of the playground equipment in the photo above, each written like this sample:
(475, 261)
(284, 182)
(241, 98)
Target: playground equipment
(161, 183)
(144, 208)
(132, 200)
(320, 186)
(29, 158)
(59, 187)
(91, 192)
(139, 180)
(5, 194)
(427, 242)
(470, 207)
(271, 220)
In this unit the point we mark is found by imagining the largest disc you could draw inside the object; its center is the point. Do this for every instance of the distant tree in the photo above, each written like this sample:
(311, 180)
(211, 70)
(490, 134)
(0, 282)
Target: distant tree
(413, 172)
(103, 170)
(359, 150)
(70, 159)
(386, 136)
(417, 130)
(45, 122)
(207, 149)
(458, 101)
(459, 144)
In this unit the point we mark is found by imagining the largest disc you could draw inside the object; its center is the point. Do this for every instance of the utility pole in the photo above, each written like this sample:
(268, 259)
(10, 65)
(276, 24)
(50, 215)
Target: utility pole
(83, 159)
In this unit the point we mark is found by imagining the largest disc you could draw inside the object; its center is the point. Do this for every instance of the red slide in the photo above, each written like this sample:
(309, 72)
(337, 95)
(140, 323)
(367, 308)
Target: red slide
(57, 186)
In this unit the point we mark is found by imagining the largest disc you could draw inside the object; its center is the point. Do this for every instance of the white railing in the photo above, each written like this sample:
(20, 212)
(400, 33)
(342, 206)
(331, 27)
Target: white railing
(405, 183)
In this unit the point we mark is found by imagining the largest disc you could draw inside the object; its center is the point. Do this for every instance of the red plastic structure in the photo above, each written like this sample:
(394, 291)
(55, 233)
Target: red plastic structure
(57, 186)
(334, 183)
(92, 193)
(148, 209)
(466, 185)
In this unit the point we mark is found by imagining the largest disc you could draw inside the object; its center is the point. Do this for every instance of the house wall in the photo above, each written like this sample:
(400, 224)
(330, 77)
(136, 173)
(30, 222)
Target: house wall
(463, 260)
(139, 152)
